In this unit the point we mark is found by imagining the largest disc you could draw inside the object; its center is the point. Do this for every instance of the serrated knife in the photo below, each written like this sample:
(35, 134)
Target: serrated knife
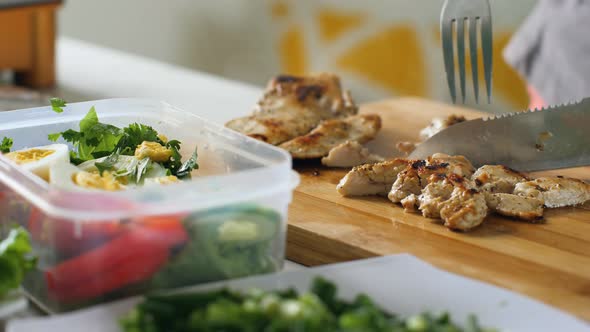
(550, 138)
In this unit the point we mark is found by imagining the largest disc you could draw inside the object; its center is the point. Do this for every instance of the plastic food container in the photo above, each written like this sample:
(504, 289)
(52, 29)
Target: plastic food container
(228, 222)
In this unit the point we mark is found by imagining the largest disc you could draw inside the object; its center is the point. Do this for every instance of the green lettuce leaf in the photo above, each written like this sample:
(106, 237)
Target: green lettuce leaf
(15, 259)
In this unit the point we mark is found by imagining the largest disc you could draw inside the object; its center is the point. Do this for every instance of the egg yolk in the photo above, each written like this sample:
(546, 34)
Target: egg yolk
(166, 180)
(95, 181)
(28, 156)
(163, 138)
(153, 150)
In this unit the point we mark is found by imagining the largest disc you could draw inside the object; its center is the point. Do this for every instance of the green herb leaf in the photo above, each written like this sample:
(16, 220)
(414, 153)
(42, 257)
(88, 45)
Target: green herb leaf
(57, 104)
(175, 162)
(188, 166)
(6, 145)
(54, 137)
(89, 121)
(15, 259)
(134, 135)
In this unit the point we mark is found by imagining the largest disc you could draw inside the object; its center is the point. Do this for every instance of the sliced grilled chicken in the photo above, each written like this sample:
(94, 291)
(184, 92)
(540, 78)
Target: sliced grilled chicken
(372, 179)
(331, 133)
(410, 203)
(466, 209)
(292, 106)
(405, 147)
(497, 179)
(521, 207)
(457, 164)
(436, 192)
(438, 124)
(414, 178)
(350, 154)
(555, 191)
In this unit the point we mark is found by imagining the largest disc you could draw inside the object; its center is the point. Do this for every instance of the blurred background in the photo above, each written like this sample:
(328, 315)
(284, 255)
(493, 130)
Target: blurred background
(381, 48)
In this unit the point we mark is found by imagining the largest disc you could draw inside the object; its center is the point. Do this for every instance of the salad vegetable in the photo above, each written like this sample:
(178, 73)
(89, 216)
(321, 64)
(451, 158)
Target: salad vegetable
(157, 252)
(319, 310)
(6, 145)
(57, 104)
(15, 259)
(104, 145)
(133, 256)
(225, 243)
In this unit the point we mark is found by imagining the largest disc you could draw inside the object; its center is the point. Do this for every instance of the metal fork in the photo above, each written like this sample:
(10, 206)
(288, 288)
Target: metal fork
(458, 13)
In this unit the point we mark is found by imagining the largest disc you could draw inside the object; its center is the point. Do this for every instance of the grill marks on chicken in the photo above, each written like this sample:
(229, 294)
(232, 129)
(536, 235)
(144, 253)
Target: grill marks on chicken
(449, 188)
(293, 106)
(555, 191)
(372, 179)
(331, 133)
(350, 154)
(309, 116)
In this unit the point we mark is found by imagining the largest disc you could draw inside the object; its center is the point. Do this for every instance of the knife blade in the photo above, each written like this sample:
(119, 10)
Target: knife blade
(550, 138)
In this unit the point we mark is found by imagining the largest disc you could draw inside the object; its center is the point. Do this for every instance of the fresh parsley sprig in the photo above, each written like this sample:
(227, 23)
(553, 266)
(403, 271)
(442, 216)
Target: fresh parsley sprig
(57, 104)
(96, 140)
(6, 145)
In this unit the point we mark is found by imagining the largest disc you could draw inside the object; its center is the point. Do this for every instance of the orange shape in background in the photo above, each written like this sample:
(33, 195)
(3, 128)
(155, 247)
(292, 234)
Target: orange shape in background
(292, 51)
(279, 9)
(392, 58)
(333, 24)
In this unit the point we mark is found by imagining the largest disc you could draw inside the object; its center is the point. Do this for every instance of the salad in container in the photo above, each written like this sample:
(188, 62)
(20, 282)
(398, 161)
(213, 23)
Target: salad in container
(127, 196)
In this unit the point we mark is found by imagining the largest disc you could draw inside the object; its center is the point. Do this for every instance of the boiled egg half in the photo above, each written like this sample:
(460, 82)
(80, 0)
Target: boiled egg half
(70, 177)
(39, 160)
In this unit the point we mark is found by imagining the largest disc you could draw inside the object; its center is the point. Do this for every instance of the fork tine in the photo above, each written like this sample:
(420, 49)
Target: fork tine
(447, 44)
(473, 56)
(487, 49)
(461, 54)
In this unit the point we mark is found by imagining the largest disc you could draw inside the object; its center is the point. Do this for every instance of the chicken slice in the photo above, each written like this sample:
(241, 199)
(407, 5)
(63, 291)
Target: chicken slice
(439, 124)
(372, 179)
(292, 106)
(414, 177)
(350, 154)
(436, 192)
(555, 191)
(497, 179)
(331, 133)
(405, 147)
(410, 203)
(521, 207)
(466, 209)
(406, 184)
(457, 164)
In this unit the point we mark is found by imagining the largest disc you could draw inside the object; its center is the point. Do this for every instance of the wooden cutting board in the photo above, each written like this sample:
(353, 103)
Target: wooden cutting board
(548, 261)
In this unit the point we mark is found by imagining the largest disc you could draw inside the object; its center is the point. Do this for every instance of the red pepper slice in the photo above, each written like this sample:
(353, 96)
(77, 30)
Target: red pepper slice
(139, 249)
(140, 267)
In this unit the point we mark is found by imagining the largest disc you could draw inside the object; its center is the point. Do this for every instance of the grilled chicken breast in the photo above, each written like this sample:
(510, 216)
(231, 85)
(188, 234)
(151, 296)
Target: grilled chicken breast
(439, 124)
(292, 106)
(497, 179)
(350, 154)
(437, 191)
(555, 191)
(331, 133)
(372, 179)
(414, 178)
(466, 209)
(521, 207)
(457, 164)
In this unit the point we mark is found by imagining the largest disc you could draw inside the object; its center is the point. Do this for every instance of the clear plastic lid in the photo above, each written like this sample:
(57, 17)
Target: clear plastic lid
(233, 167)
